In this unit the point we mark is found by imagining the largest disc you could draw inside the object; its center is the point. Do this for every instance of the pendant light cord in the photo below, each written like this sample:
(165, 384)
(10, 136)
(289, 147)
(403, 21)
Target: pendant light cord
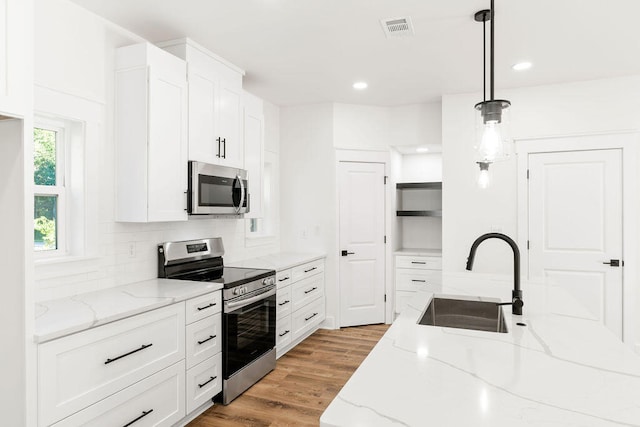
(484, 60)
(493, 18)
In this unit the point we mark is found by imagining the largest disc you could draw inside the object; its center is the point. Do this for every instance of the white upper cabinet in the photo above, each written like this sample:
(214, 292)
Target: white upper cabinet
(15, 51)
(215, 105)
(254, 151)
(151, 135)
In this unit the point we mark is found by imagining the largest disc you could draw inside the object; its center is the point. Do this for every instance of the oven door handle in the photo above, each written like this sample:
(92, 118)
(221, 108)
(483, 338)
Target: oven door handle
(245, 302)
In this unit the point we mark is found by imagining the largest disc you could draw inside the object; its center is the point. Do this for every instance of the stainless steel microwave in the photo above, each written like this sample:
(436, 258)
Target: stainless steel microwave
(216, 190)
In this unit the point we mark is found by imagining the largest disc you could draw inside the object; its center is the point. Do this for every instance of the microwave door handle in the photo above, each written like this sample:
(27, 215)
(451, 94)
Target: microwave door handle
(242, 191)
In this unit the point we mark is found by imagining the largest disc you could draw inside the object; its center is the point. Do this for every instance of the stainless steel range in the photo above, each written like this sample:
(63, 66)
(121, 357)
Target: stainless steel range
(248, 314)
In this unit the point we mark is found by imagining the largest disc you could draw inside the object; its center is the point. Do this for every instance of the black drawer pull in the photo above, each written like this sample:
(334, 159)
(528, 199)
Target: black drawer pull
(144, 414)
(284, 333)
(208, 339)
(311, 269)
(416, 280)
(418, 262)
(310, 317)
(207, 381)
(311, 290)
(128, 354)
(283, 279)
(206, 306)
(284, 303)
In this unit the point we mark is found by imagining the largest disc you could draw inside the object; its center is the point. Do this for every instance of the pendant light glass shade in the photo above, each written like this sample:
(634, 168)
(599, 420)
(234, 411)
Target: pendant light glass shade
(492, 131)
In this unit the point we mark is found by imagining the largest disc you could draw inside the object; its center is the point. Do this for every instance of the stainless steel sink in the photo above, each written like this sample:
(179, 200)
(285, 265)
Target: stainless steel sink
(464, 314)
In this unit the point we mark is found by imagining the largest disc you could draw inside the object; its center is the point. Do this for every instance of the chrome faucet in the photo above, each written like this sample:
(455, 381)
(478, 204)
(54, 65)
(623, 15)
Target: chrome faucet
(516, 301)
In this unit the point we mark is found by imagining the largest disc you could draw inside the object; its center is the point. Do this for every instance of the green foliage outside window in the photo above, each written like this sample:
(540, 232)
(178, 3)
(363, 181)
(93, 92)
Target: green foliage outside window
(44, 162)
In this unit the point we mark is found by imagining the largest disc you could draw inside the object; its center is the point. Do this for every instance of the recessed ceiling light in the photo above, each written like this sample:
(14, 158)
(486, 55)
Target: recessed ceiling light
(521, 66)
(422, 150)
(360, 85)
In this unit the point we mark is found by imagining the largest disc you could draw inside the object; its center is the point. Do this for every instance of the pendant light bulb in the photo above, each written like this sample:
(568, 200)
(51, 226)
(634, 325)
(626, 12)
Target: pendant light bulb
(483, 177)
(491, 141)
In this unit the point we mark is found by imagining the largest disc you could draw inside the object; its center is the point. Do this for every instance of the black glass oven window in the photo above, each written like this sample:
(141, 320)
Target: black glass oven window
(249, 332)
(215, 191)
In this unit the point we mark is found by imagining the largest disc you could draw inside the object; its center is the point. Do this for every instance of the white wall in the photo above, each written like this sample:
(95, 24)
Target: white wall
(421, 168)
(556, 110)
(310, 135)
(85, 44)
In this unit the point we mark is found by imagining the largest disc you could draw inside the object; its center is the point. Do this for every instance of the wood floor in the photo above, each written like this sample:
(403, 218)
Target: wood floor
(303, 384)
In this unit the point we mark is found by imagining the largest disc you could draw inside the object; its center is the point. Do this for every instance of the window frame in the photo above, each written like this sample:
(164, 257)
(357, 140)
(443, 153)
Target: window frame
(59, 190)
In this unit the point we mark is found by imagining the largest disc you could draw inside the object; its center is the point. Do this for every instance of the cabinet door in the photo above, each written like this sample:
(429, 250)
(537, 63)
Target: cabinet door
(167, 146)
(254, 152)
(203, 135)
(15, 51)
(230, 118)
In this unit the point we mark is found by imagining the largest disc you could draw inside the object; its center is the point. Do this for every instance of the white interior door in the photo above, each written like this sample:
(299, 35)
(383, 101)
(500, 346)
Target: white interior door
(361, 189)
(575, 228)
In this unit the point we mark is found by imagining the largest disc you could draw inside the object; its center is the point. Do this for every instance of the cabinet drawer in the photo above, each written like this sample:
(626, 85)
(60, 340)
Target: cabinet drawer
(204, 381)
(283, 278)
(80, 369)
(307, 290)
(307, 317)
(157, 400)
(283, 333)
(307, 270)
(421, 262)
(284, 303)
(203, 339)
(203, 306)
(413, 280)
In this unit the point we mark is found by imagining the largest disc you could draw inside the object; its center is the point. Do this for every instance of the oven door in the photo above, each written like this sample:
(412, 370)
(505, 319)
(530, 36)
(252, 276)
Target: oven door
(249, 330)
(215, 189)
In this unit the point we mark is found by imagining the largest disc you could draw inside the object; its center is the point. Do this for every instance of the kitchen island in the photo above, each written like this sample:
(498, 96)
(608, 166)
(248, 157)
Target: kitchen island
(557, 370)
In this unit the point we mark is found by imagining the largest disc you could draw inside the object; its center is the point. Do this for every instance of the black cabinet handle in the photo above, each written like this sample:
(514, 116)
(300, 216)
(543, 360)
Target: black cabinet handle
(218, 140)
(207, 381)
(208, 339)
(418, 262)
(311, 269)
(206, 306)
(284, 303)
(415, 280)
(144, 414)
(283, 279)
(311, 290)
(284, 333)
(310, 317)
(128, 354)
(224, 146)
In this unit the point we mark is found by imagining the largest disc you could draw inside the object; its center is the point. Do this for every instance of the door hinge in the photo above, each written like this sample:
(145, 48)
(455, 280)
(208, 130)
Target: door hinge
(385, 297)
(527, 173)
(527, 245)
(385, 180)
(385, 239)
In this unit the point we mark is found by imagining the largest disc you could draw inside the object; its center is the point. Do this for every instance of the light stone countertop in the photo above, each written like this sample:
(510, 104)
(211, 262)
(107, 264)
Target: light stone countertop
(279, 261)
(60, 317)
(559, 370)
(418, 252)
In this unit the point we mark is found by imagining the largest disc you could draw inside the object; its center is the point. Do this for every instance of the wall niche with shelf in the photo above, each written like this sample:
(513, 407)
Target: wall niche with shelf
(419, 210)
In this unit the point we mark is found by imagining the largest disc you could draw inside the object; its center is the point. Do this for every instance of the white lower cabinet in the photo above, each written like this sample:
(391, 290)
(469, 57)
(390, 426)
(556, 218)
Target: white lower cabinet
(413, 273)
(203, 382)
(158, 400)
(300, 304)
(151, 369)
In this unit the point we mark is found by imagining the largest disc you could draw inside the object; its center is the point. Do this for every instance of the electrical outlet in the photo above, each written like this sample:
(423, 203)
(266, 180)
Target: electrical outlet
(132, 249)
(496, 229)
(304, 233)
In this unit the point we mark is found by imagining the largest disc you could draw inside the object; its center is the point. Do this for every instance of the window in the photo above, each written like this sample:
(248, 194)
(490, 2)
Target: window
(49, 190)
(265, 226)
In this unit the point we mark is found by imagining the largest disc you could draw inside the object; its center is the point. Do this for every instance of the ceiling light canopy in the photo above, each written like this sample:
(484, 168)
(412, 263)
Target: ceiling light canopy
(422, 150)
(521, 66)
(492, 118)
(360, 85)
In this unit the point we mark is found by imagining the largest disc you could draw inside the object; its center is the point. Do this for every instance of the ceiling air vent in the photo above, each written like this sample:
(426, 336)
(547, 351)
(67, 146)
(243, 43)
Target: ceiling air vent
(397, 27)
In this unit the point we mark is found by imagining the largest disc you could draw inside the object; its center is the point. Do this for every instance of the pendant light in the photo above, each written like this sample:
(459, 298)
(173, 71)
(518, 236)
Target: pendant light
(492, 118)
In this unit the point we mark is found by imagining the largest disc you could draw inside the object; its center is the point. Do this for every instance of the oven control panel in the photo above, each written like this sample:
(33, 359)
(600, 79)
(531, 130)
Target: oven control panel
(240, 290)
(269, 281)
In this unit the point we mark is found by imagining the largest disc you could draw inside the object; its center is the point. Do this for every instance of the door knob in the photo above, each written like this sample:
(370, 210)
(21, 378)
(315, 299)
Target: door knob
(345, 253)
(614, 263)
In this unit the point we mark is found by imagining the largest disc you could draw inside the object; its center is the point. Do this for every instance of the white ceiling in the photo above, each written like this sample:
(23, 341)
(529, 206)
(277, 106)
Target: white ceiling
(311, 51)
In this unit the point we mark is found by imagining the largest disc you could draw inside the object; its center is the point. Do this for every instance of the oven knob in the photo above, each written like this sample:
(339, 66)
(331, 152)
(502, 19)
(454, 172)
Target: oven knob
(236, 291)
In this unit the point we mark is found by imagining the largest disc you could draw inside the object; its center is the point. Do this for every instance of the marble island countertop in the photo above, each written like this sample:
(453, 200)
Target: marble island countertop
(279, 261)
(558, 370)
(64, 316)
